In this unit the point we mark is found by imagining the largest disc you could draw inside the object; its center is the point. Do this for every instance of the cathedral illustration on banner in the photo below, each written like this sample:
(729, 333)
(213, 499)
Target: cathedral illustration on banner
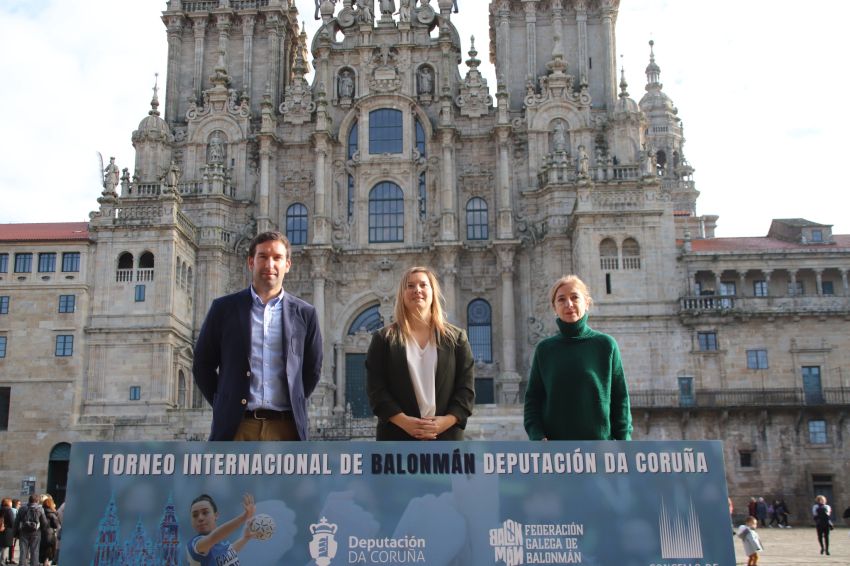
(139, 549)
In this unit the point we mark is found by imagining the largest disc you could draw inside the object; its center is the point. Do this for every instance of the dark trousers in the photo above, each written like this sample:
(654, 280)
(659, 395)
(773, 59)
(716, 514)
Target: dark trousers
(29, 548)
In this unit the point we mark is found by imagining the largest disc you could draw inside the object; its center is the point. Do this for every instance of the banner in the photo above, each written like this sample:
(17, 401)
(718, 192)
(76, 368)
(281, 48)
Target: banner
(640, 503)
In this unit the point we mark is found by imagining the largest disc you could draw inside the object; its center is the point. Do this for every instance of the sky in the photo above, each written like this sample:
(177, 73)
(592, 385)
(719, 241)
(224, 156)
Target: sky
(756, 84)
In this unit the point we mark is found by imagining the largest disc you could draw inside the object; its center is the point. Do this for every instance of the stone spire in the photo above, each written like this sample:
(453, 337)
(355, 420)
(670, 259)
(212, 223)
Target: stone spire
(154, 111)
(653, 71)
(624, 93)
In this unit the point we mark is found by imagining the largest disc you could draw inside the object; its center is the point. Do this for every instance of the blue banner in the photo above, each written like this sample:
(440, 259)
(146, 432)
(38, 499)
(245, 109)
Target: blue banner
(437, 504)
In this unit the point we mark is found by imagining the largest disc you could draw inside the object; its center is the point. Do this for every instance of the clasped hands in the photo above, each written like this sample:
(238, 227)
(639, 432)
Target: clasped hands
(425, 428)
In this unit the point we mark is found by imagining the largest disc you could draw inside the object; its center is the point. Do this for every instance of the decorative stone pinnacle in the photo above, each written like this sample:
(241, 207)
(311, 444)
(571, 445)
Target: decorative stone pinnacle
(154, 111)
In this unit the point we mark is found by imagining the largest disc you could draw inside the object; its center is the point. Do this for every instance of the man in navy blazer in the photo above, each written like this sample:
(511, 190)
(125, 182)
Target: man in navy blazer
(259, 353)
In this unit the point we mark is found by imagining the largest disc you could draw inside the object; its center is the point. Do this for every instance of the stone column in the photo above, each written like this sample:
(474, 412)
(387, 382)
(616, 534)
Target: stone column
(792, 291)
(581, 19)
(844, 281)
(767, 273)
(531, 36)
(248, 22)
(273, 28)
(263, 221)
(505, 228)
(199, 27)
(610, 63)
(175, 46)
(509, 379)
(717, 282)
(819, 282)
(503, 38)
(742, 281)
(448, 190)
(223, 25)
(321, 233)
(339, 366)
(447, 255)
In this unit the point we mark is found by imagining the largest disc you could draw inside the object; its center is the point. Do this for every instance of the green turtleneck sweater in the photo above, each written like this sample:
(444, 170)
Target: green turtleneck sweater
(577, 389)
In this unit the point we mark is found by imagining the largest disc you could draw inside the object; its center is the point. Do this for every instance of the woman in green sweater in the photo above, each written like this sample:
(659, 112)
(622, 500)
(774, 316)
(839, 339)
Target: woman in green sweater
(576, 389)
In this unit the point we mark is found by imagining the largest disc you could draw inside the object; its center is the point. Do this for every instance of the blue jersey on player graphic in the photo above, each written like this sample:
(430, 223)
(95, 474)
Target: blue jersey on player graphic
(221, 554)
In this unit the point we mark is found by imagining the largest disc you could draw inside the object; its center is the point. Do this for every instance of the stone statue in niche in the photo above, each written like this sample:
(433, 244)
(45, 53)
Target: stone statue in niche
(387, 8)
(346, 84)
(216, 149)
(426, 80)
(559, 137)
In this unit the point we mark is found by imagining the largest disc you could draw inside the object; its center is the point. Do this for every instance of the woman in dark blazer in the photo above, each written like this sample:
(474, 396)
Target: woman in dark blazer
(419, 368)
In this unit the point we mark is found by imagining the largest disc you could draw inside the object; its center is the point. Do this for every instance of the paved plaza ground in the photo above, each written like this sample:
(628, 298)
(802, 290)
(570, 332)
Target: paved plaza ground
(798, 545)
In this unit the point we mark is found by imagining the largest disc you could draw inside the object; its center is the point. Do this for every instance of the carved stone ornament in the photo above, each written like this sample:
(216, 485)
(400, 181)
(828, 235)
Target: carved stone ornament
(298, 105)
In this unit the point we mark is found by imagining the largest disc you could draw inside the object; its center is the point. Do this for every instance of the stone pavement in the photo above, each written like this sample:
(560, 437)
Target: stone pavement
(798, 545)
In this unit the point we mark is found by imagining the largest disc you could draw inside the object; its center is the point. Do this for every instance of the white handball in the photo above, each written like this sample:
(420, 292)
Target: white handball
(261, 526)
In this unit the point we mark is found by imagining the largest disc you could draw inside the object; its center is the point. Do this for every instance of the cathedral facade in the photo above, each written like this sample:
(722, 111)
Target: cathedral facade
(398, 153)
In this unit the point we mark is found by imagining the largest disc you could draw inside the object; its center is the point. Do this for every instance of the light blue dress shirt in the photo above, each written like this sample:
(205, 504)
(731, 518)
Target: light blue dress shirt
(269, 388)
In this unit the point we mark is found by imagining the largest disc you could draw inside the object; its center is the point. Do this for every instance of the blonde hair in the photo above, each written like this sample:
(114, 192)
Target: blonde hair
(400, 330)
(576, 282)
(49, 503)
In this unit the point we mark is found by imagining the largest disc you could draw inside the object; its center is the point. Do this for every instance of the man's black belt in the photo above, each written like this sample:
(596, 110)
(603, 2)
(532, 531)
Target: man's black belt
(268, 414)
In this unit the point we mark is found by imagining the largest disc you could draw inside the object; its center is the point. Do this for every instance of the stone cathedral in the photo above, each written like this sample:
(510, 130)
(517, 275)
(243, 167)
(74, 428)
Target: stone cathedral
(396, 153)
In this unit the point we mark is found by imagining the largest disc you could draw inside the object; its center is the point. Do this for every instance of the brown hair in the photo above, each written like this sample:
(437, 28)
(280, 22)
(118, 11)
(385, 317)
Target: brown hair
(576, 282)
(400, 329)
(272, 236)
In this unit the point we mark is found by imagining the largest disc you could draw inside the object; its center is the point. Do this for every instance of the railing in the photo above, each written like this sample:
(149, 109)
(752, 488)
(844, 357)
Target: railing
(609, 263)
(344, 427)
(767, 305)
(631, 262)
(124, 275)
(728, 398)
(707, 303)
(207, 5)
(144, 274)
(623, 172)
(145, 189)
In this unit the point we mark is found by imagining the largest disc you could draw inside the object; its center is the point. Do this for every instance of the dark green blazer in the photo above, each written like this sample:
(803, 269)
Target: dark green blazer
(391, 392)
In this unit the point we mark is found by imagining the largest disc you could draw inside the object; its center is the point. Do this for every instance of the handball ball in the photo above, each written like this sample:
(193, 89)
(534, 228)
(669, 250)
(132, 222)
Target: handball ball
(261, 526)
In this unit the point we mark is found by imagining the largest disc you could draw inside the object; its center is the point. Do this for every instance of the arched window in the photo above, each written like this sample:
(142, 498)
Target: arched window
(386, 133)
(660, 161)
(608, 260)
(197, 397)
(386, 213)
(181, 389)
(352, 149)
(480, 328)
(125, 267)
(476, 219)
(369, 320)
(178, 272)
(631, 254)
(420, 138)
(352, 140)
(146, 261)
(189, 282)
(145, 271)
(125, 261)
(296, 224)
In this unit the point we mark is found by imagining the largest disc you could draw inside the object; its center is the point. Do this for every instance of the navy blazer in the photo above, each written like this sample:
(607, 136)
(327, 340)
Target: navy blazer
(222, 366)
(391, 391)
